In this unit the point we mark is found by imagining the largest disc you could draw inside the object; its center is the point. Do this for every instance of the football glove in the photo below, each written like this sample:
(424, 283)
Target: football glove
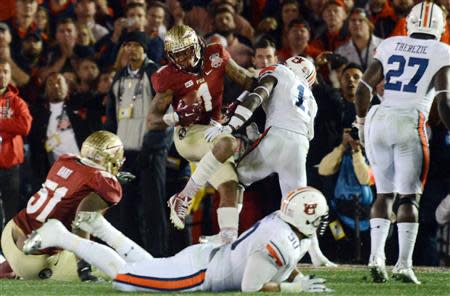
(189, 114)
(308, 283)
(212, 132)
(125, 177)
(84, 272)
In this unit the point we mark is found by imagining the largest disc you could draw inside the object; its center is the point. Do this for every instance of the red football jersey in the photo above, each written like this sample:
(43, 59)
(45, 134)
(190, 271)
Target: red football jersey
(68, 182)
(208, 84)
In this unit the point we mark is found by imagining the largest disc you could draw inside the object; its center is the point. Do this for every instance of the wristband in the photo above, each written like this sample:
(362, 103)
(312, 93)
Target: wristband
(171, 119)
(360, 120)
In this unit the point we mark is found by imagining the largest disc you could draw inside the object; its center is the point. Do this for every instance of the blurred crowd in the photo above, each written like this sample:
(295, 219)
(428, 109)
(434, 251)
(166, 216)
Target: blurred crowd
(67, 58)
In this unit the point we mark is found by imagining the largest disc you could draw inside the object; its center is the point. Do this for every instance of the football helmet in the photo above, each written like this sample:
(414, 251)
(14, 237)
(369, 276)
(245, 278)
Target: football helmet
(303, 68)
(183, 47)
(304, 208)
(427, 18)
(104, 149)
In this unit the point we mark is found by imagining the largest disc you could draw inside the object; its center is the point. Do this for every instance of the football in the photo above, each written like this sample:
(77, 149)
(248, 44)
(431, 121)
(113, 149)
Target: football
(191, 98)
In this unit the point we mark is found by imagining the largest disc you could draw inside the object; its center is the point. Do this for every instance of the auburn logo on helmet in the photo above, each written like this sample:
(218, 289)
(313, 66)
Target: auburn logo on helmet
(310, 209)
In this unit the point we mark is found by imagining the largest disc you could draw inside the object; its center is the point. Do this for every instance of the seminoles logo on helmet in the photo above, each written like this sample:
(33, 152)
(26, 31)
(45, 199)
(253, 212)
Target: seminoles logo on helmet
(310, 209)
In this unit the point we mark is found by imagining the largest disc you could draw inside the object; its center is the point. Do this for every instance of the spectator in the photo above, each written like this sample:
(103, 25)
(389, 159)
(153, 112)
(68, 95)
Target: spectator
(85, 11)
(157, 17)
(58, 11)
(290, 11)
(61, 57)
(224, 24)
(334, 14)
(18, 76)
(144, 206)
(176, 11)
(387, 18)
(264, 54)
(57, 128)
(42, 22)
(85, 36)
(443, 211)
(360, 49)
(299, 36)
(109, 46)
(15, 122)
(312, 12)
(23, 22)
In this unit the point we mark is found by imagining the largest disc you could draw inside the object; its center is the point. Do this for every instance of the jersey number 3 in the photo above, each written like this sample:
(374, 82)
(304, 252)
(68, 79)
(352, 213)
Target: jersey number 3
(393, 73)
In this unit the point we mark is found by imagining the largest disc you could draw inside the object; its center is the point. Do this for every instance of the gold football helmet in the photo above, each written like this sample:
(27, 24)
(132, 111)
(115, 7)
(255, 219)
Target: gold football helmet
(183, 47)
(104, 149)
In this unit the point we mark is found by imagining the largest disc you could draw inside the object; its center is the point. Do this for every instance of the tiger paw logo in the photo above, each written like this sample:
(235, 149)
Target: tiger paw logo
(310, 209)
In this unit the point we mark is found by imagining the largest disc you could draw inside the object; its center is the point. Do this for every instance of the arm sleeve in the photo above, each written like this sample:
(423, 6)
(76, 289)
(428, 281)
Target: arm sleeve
(20, 121)
(259, 270)
(361, 168)
(329, 165)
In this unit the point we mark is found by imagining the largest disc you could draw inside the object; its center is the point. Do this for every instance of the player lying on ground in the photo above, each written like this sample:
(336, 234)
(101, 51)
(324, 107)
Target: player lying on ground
(264, 258)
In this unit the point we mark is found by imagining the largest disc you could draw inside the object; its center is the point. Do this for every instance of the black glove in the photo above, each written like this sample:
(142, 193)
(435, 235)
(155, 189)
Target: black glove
(125, 177)
(84, 272)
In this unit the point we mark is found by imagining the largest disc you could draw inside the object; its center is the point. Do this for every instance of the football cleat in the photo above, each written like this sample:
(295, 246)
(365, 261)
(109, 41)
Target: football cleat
(405, 274)
(86, 221)
(179, 207)
(39, 238)
(322, 261)
(222, 238)
(378, 270)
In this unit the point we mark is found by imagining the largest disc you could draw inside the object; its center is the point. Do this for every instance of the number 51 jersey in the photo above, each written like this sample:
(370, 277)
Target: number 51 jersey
(409, 65)
(68, 183)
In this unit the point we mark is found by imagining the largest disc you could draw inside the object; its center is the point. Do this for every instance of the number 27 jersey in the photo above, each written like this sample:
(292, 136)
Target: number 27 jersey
(409, 65)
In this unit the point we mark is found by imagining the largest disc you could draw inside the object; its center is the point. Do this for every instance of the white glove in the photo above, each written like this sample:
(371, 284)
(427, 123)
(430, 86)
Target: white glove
(307, 283)
(212, 132)
(252, 131)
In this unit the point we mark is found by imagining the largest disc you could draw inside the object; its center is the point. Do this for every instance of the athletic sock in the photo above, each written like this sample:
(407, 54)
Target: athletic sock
(228, 220)
(379, 230)
(407, 233)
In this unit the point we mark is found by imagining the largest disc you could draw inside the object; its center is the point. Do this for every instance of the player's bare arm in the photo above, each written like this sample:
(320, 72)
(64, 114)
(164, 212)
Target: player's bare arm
(91, 203)
(241, 76)
(442, 86)
(158, 108)
(372, 76)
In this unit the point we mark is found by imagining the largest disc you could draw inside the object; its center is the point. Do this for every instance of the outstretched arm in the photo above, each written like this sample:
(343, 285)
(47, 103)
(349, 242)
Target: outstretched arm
(442, 86)
(241, 76)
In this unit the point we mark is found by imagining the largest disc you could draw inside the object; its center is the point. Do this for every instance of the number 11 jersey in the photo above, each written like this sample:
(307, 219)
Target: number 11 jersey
(409, 65)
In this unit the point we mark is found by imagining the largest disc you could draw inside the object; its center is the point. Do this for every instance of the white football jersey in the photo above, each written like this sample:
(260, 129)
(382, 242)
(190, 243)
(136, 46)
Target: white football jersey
(292, 105)
(409, 65)
(272, 238)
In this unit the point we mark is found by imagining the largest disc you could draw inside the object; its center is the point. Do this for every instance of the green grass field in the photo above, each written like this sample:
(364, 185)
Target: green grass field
(346, 280)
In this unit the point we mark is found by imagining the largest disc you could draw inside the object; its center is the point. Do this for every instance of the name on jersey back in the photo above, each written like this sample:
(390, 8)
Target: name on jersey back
(420, 49)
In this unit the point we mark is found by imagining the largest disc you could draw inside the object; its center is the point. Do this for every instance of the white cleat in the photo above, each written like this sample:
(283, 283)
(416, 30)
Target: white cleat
(378, 271)
(405, 274)
(87, 221)
(39, 239)
(179, 207)
(222, 238)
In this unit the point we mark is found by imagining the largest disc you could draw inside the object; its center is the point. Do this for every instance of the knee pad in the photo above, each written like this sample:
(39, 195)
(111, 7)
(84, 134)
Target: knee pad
(406, 200)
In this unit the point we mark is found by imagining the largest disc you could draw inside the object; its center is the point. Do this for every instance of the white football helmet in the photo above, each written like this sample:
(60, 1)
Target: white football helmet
(303, 68)
(304, 208)
(426, 17)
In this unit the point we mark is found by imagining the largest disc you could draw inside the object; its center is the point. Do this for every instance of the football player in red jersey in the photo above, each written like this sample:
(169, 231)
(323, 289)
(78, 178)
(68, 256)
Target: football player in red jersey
(74, 183)
(192, 83)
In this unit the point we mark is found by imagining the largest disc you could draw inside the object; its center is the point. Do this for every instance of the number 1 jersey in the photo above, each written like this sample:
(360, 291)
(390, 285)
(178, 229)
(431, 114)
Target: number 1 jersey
(409, 65)
(68, 183)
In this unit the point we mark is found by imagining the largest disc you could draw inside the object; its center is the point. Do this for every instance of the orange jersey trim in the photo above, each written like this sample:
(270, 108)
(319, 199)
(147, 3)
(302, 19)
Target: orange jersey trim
(425, 150)
(274, 255)
(163, 284)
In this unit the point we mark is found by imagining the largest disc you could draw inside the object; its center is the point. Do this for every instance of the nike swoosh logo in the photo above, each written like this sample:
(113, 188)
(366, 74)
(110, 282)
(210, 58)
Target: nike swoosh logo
(208, 72)
(188, 114)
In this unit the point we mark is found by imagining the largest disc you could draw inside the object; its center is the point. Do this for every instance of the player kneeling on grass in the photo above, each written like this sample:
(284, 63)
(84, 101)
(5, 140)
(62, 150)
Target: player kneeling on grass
(75, 183)
(264, 258)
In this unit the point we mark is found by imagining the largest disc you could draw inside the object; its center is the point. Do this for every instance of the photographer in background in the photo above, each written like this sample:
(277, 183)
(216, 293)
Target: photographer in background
(349, 183)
